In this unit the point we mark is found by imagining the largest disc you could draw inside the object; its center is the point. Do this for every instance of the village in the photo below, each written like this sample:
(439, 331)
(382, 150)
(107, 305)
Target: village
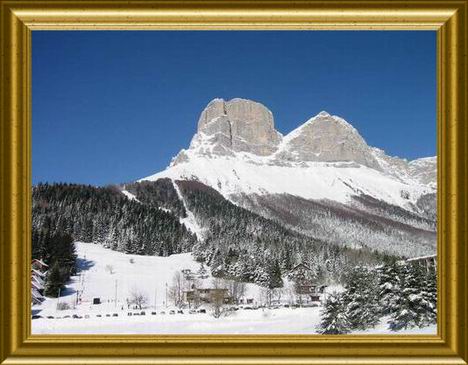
(113, 292)
(190, 292)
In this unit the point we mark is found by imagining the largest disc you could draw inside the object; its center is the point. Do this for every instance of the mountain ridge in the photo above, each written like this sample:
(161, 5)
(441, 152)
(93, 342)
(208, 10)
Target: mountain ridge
(322, 138)
(326, 152)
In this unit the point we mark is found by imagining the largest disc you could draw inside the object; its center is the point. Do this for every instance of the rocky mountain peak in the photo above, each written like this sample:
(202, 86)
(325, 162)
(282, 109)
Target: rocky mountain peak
(227, 128)
(327, 138)
(237, 125)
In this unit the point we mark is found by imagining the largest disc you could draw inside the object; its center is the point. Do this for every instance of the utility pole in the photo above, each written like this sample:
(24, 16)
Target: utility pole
(155, 292)
(115, 297)
(58, 300)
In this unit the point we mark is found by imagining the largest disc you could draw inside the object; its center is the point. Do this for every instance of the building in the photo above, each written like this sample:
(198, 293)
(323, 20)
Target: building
(39, 265)
(306, 287)
(428, 262)
(38, 275)
(205, 292)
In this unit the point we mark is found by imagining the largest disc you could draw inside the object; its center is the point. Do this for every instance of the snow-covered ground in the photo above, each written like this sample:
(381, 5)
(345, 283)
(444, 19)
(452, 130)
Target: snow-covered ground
(111, 275)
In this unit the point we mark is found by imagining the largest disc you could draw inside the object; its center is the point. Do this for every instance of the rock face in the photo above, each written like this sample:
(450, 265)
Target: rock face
(238, 125)
(329, 139)
(245, 129)
(424, 170)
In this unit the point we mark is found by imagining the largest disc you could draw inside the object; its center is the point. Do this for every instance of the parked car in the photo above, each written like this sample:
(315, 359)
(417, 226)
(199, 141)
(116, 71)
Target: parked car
(99, 315)
(107, 315)
(36, 316)
(129, 314)
(180, 311)
(76, 316)
(162, 312)
(115, 315)
(67, 316)
(153, 313)
(50, 317)
(142, 313)
(202, 310)
(192, 311)
(172, 311)
(86, 316)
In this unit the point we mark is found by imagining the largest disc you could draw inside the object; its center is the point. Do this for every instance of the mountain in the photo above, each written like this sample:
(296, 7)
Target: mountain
(248, 201)
(322, 179)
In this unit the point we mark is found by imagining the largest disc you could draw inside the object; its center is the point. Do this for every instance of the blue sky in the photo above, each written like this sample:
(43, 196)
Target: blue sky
(111, 107)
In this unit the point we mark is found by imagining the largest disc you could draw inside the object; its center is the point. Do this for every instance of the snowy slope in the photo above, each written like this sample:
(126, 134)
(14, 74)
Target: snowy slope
(189, 221)
(313, 180)
(148, 274)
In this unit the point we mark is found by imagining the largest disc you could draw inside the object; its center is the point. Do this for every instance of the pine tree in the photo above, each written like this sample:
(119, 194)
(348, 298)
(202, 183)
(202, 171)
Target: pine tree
(274, 275)
(54, 282)
(431, 295)
(333, 316)
(412, 306)
(389, 287)
(360, 299)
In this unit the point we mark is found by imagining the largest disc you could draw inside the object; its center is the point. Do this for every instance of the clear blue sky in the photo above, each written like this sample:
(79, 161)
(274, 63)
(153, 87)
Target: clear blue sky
(111, 107)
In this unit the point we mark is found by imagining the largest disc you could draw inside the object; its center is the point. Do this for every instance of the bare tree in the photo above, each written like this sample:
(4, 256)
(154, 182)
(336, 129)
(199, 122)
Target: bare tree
(289, 292)
(236, 290)
(138, 297)
(176, 290)
(217, 296)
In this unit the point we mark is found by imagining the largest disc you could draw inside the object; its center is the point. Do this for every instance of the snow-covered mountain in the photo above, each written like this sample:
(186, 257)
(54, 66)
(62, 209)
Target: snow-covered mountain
(322, 179)
(246, 200)
(237, 150)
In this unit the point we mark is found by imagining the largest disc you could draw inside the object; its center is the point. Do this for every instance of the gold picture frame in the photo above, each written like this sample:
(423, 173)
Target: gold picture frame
(19, 18)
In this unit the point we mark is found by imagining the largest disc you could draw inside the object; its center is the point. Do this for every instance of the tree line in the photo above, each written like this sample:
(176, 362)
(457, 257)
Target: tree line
(403, 293)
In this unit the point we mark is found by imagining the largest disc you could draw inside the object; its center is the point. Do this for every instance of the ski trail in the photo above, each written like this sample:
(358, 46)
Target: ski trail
(190, 222)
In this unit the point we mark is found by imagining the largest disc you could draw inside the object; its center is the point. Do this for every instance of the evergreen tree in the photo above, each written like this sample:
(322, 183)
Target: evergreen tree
(360, 298)
(54, 282)
(274, 275)
(412, 307)
(333, 316)
(431, 295)
(389, 287)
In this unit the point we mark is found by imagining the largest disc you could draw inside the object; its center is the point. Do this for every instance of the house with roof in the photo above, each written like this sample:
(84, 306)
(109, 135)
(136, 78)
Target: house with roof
(38, 276)
(306, 286)
(204, 291)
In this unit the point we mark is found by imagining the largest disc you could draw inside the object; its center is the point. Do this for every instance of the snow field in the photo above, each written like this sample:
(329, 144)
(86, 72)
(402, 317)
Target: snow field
(150, 275)
(314, 180)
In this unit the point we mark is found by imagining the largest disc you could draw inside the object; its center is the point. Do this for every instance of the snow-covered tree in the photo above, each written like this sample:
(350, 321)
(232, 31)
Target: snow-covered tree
(361, 298)
(413, 308)
(389, 287)
(334, 320)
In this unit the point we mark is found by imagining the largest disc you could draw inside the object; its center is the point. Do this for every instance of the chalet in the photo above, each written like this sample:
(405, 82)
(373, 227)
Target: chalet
(39, 265)
(305, 284)
(205, 292)
(38, 275)
(428, 262)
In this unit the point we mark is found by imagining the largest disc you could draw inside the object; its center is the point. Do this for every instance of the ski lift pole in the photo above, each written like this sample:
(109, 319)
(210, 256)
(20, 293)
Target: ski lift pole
(155, 293)
(58, 300)
(115, 297)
